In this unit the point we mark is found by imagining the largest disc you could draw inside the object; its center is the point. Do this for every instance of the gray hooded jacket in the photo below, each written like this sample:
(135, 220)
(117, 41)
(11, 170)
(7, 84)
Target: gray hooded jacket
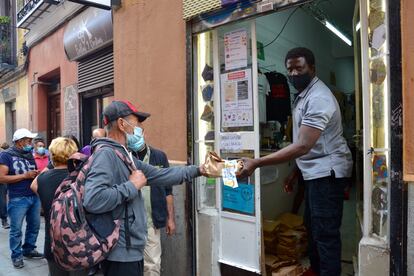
(107, 188)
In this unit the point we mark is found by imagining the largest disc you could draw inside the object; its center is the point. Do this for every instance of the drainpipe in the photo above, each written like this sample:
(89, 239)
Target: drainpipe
(31, 102)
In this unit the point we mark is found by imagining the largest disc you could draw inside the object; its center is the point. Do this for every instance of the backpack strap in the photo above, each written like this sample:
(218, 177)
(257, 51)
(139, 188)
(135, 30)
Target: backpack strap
(131, 168)
(76, 160)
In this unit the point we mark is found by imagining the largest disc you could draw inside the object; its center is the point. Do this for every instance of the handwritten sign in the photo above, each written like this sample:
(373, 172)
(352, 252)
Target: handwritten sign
(231, 142)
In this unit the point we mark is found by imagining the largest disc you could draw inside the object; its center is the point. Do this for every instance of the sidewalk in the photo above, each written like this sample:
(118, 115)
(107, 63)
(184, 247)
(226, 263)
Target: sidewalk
(31, 267)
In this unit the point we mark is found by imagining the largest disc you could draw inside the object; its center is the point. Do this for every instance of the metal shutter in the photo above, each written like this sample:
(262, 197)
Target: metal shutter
(192, 8)
(96, 71)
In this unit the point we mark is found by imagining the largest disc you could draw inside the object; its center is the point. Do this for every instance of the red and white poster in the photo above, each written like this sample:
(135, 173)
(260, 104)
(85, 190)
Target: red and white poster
(237, 99)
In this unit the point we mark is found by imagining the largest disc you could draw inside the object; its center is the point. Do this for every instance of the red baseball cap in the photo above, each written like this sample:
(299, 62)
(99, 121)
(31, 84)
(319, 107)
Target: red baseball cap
(120, 109)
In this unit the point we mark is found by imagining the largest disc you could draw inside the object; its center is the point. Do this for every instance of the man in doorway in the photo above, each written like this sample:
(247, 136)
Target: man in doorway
(40, 154)
(322, 156)
(110, 186)
(159, 206)
(17, 170)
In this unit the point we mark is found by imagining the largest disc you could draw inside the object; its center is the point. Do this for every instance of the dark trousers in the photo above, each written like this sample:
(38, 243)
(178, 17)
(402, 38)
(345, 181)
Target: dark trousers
(323, 216)
(3, 201)
(111, 268)
(56, 270)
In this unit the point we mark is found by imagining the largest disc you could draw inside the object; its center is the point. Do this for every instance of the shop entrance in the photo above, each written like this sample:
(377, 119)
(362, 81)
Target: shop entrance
(243, 108)
(284, 233)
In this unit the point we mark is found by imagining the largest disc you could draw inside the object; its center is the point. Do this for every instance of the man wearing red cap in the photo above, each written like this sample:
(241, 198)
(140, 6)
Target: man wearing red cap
(111, 187)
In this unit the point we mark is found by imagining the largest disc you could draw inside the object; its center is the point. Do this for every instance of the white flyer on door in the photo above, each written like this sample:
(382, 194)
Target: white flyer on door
(235, 49)
(237, 99)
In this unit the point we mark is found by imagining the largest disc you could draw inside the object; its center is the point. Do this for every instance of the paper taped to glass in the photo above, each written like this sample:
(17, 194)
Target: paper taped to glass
(229, 173)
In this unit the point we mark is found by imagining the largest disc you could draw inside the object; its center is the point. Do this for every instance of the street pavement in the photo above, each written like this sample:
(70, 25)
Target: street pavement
(31, 267)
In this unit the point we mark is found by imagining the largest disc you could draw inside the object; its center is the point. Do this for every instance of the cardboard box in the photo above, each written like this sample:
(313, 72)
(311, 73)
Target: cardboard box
(270, 227)
(269, 261)
(294, 270)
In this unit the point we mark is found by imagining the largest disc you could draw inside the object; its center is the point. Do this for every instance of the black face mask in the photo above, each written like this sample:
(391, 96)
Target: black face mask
(300, 82)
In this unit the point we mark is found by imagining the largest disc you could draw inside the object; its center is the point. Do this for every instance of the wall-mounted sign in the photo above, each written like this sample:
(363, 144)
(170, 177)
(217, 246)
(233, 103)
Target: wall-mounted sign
(71, 103)
(103, 4)
(89, 32)
(233, 12)
(226, 14)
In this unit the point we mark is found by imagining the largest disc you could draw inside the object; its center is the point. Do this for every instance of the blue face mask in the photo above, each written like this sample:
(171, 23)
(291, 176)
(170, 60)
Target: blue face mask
(28, 148)
(41, 150)
(136, 141)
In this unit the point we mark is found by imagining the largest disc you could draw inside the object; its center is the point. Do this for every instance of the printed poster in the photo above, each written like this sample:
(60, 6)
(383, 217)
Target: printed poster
(236, 99)
(240, 199)
(235, 49)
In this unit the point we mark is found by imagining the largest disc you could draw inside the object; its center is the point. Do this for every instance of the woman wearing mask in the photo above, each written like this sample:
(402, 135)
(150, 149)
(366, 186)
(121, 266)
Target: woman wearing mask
(60, 150)
(40, 154)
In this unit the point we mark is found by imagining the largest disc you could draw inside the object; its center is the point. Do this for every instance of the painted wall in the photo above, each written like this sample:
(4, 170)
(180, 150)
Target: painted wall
(407, 45)
(407, 33)
(20, 40)
(22, 116)
(48, 60)
(150, 67)
(345, 77)
(22, 104)
(22, 100)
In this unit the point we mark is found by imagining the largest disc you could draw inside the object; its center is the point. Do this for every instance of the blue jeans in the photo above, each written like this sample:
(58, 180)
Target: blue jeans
(3, 203)
(19, 208)
(324, 199)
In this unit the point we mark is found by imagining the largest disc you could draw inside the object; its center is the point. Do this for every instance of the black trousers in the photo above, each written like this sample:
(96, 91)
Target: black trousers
(56, 270)
(111, 268)
(3, 203)
(323, 217)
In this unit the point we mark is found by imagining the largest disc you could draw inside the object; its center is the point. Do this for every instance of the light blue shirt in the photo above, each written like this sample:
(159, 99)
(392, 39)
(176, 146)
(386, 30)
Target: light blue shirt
(316, 107)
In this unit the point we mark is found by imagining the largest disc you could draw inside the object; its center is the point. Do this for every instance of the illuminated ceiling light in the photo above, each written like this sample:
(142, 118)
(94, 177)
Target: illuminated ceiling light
(338, 33)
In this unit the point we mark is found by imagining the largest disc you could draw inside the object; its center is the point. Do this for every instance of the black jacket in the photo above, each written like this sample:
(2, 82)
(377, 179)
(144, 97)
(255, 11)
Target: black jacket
(158, 193)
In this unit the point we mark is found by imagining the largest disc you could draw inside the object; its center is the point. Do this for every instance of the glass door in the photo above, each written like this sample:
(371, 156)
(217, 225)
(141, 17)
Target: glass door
(237, 135)
(375, 72)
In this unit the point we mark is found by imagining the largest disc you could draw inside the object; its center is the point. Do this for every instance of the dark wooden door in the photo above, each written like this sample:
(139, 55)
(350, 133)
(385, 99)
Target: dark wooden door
(54, 115)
